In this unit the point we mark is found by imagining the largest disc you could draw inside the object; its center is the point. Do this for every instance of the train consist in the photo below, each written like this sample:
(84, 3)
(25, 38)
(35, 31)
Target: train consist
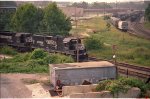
(58, 44)
(122, 25)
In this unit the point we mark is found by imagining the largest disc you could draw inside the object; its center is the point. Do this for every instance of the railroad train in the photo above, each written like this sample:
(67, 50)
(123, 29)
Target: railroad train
(122, 25)
(57, 44)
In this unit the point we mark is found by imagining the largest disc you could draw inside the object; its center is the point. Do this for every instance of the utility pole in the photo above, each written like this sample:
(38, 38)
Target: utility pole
(114, 58)
(104, 8)
(77, 56)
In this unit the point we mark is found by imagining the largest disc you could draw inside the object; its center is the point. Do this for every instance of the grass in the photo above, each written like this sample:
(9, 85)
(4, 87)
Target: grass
(147, 25)
(8, 50)
(122, 85)
(129, 48)
(35, 62)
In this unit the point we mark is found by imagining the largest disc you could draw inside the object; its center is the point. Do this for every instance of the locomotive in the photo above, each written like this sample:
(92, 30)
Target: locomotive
(122, 25)
(53, 44)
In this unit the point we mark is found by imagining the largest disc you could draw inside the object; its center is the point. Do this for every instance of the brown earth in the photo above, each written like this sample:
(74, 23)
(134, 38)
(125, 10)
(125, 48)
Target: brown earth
(15, 86)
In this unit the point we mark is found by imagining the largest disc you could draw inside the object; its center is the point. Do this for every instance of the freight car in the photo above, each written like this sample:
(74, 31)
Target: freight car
(58, 44)
(122, 25)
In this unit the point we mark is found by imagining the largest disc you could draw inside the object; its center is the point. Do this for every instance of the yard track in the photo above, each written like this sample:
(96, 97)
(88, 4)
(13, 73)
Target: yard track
(128, 69)
(137, 29)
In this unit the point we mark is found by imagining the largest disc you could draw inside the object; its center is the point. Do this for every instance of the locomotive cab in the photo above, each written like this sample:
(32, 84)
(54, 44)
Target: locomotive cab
(73, 45)
(23, 39)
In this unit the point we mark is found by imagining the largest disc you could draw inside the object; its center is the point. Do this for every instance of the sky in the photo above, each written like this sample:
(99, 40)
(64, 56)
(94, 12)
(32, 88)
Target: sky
(90, 1)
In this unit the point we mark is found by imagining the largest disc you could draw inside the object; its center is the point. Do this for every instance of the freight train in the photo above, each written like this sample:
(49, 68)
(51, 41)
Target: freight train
(122, 25)
(57, 44)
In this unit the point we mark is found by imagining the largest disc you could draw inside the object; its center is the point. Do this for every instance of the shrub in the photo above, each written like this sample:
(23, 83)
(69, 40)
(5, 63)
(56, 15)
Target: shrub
(8, 50)
(57, 58)
(122, 85)
(38, 54)
(93, 43)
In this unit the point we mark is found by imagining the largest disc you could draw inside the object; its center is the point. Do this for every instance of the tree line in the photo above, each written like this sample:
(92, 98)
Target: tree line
(31, 19)
(147, 13)
(94, 5)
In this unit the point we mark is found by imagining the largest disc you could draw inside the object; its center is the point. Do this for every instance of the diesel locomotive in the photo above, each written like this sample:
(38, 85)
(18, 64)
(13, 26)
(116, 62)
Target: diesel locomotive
(53, 44)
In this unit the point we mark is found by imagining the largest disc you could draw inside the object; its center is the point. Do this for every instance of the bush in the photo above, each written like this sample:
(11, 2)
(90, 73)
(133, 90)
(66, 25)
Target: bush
(38, 54)
(57, 58)
(8, 50)
(122, 85)
(35, 62)
(93, 43)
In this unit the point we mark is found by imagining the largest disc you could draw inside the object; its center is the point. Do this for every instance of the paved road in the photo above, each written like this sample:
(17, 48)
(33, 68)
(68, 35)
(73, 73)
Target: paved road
(12, 87)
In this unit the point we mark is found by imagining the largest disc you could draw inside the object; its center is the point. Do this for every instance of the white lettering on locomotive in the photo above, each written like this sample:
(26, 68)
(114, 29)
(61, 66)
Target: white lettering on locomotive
(6, 37)
(40, 43)
(29, 39)
(51, 42)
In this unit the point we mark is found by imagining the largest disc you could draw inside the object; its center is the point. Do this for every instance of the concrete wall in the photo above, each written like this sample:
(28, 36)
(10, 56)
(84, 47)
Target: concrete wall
(76, 76)
(68, 90)
(132, 93)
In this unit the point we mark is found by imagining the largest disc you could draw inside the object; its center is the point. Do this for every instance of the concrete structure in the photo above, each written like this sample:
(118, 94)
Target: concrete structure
(70, 90)
(131, 93)
(77, 73)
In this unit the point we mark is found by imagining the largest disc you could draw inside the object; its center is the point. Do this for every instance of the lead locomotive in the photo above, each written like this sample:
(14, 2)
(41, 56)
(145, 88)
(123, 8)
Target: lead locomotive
(56, 44)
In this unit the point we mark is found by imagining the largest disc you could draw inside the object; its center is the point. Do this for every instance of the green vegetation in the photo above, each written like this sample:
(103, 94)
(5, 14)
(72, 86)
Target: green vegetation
(95, 5)
(25, 19)
(129, 49)
(28, 18)
(35, 62)
(7, 50)
(93, 42)
(147, 25)
(147, 13)
(55, 21)
(122, 85)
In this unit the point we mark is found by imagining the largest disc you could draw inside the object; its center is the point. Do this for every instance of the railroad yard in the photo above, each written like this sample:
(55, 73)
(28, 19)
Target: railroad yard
(74, 50)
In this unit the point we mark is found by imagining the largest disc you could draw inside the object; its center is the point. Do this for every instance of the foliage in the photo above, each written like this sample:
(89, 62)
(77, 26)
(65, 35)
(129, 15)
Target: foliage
(95, 5)
(108, 26)
(38, 54)
(93, 43)
(81, 5)
(26, 19)
(5, 20)
(35, 62)
(122, 85)
(106, 17)
(57, 58)
(55, 21)
(8, 50)
(147, 13)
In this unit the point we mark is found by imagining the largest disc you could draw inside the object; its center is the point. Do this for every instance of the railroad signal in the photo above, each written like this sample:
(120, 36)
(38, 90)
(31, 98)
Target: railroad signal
(114, 47)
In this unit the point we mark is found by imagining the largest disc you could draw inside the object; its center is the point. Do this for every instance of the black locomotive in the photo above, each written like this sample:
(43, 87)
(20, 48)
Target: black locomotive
(57, 44)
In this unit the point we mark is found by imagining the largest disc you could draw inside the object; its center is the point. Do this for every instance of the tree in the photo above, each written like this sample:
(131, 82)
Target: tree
(26, 19)
(81, 5)
(147, 13)
(93, 43)
(6, 14)
(55, 21)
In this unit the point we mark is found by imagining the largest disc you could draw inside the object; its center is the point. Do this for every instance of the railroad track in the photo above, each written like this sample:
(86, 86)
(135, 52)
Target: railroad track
(138, 30)
(128, 69)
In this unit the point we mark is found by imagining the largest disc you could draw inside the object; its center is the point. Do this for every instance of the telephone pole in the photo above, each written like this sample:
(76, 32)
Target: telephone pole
(77, 56)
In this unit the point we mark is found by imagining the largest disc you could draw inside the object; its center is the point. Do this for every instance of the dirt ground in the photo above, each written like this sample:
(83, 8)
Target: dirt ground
(4, 56)
(24, 85)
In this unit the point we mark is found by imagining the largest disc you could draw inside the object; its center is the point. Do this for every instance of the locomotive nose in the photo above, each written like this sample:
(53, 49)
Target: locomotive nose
(80, 47)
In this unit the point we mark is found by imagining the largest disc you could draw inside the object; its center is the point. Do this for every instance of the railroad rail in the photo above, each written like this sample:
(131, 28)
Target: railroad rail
(128, 69)
(138, 30)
